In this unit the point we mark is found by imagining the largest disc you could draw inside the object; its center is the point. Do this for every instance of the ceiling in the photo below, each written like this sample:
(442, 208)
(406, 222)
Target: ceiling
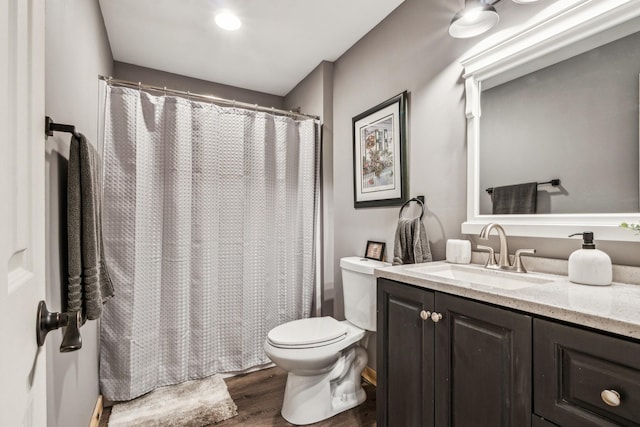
(280, 41)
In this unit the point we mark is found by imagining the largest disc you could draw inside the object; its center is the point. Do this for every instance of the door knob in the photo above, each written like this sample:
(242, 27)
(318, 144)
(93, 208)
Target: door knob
(47, 321)
(436, 317)
(424, 315)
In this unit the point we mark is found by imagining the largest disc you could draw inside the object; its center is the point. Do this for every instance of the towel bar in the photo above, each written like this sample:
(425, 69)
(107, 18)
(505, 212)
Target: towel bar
(50, 127)
(554, 182)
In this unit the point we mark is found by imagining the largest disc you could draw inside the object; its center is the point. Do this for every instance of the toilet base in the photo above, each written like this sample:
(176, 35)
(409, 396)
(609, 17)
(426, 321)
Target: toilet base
(309, 399)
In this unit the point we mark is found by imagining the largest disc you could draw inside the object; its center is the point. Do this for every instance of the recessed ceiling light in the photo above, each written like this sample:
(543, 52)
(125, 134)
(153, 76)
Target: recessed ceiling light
(228, 21)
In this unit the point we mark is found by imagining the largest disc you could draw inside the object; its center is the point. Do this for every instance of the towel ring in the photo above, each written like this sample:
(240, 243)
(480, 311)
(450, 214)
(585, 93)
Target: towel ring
(408, 202)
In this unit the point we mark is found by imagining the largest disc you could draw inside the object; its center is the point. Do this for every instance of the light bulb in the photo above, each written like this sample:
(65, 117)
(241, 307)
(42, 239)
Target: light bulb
(228, 21)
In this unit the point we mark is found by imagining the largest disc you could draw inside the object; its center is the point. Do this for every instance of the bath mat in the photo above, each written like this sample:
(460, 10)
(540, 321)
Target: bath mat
(190, 404)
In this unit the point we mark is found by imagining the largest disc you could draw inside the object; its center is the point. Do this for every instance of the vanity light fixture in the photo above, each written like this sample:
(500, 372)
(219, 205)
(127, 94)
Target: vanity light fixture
(474, 19)
(477, 17)
(228, 21)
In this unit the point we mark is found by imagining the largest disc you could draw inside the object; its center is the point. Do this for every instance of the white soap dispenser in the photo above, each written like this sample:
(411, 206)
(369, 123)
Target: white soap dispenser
(590, 266)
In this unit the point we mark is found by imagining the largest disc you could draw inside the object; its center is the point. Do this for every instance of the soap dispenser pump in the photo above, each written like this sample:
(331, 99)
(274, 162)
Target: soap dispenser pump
(590, 266)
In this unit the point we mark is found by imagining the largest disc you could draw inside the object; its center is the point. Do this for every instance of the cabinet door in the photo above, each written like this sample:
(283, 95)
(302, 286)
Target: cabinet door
(405, 356)
(483, 365)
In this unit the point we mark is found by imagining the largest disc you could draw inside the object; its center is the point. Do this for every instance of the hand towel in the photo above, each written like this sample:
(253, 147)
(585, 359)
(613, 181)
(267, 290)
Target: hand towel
(411, 243)
(515, 199)
(89, 283)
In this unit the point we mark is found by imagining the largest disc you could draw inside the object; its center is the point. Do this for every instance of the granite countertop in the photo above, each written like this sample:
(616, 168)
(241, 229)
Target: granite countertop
(614, 308)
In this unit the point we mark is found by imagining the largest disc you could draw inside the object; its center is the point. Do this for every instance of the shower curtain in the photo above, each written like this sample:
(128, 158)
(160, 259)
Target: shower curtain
(209, 232)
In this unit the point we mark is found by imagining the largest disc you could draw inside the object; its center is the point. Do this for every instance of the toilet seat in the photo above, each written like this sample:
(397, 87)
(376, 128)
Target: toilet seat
(307, 333)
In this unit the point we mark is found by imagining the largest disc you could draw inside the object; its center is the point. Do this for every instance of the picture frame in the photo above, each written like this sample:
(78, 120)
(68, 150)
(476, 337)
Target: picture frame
(379, 154)
(374, 250)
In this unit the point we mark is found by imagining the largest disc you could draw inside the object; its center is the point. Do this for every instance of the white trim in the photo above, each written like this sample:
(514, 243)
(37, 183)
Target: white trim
(605, 226)
(576, 27)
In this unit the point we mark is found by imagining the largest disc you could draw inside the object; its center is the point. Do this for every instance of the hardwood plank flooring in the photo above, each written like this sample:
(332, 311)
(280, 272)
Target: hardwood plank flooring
(259, 398)
(259, 395)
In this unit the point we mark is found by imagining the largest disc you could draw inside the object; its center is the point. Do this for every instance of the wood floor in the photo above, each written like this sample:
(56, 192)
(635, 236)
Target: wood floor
(258, 396)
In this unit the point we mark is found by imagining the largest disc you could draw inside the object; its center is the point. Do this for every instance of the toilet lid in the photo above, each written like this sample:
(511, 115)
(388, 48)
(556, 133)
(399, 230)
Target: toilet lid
(305, 332)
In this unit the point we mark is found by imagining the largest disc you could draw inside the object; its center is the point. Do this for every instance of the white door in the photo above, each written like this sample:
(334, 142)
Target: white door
(22, 151)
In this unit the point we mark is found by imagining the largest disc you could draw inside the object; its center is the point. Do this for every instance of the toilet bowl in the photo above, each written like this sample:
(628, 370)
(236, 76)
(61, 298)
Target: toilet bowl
(322, 355)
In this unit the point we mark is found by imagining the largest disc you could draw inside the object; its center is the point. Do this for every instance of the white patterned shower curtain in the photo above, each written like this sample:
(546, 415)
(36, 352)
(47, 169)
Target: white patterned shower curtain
(209, 232)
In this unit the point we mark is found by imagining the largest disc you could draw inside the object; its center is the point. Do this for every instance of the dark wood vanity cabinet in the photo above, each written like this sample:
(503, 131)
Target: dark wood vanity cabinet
(537, 421)
(469, 367)
(483, 366)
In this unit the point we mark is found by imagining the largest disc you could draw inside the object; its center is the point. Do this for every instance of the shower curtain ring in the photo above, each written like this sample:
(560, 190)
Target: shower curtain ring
(139, 85)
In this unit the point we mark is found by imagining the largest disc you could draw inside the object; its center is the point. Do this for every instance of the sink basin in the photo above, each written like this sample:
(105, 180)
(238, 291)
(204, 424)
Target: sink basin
(478, 275)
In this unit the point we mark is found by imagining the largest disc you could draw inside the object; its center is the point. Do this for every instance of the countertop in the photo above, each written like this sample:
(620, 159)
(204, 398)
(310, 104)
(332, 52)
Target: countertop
(614, 308)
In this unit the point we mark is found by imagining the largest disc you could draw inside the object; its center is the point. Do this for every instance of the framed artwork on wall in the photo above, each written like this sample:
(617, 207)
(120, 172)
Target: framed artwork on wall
(374, 250)
(379, 154)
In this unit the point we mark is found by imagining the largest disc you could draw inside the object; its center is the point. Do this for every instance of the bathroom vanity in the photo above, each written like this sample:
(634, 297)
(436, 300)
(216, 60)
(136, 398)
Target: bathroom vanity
(461, 345)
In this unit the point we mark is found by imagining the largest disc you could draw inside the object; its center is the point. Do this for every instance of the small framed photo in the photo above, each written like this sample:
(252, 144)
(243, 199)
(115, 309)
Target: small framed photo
(375, 250)
(379, 154)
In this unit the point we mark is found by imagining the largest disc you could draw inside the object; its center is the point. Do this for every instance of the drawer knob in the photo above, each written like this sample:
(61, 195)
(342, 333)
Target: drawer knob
(610, 397)
(424, 315)
(436, 317)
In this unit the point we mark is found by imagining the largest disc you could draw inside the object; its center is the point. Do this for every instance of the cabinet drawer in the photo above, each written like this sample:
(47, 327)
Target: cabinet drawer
(571, 369)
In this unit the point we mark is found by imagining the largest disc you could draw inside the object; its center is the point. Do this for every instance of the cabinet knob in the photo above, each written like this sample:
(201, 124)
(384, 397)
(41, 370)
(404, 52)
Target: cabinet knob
(436, 317)
(610, 397)
(424, 315)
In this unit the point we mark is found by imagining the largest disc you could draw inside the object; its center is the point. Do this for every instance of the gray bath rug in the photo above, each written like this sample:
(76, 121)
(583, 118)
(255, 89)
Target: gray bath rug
(190, 404)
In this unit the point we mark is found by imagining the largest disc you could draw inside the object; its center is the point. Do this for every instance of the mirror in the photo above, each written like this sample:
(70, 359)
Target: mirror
(577, 121)
(559, 100)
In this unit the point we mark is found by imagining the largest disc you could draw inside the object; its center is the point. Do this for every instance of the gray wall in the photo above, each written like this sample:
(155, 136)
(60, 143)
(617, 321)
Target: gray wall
(77, 51)
(314, 95)
(309, 94)
(411, 50)
(576, 120)
(153, 77)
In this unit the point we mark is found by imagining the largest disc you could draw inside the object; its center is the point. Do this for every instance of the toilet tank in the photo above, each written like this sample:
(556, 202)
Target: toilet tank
(359, 290)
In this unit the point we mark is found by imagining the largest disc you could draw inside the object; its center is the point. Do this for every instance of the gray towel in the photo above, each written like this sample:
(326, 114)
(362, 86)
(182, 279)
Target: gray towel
(515, 199)
(89, 283)
(411, 243)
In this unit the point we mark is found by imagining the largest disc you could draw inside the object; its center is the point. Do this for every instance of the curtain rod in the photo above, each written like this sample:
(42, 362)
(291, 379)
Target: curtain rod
(209, 98)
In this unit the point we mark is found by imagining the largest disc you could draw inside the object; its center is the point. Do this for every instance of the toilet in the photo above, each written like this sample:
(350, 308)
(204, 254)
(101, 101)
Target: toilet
(322, 355)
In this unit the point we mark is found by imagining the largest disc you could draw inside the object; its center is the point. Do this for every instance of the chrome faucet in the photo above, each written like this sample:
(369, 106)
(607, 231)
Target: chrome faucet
(504, 262)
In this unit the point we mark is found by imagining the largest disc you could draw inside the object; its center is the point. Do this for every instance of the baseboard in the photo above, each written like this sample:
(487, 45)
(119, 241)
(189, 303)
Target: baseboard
(369, 375)
(97, 413)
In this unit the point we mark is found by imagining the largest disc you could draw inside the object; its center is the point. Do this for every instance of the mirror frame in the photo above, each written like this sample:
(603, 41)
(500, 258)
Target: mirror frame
(571, 28)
